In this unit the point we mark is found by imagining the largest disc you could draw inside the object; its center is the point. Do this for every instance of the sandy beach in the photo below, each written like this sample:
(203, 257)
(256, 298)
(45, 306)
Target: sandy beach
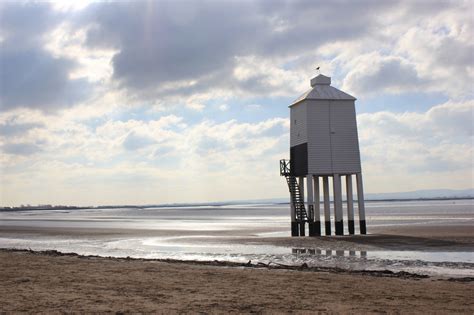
(41, 282)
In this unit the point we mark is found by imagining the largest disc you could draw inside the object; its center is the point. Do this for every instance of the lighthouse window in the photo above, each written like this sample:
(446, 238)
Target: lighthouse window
(295, 121)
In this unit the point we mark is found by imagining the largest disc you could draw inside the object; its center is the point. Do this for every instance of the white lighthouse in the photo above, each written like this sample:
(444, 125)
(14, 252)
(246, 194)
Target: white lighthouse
(324, 145)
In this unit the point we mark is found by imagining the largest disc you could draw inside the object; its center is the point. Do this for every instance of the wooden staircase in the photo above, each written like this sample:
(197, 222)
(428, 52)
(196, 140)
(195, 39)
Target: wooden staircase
(295, 193)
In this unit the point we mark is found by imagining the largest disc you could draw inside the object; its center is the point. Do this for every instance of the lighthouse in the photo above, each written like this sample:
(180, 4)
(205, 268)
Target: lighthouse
(324, 152)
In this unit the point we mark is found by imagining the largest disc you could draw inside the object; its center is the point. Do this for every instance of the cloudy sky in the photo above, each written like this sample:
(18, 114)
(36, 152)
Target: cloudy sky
(187, 101)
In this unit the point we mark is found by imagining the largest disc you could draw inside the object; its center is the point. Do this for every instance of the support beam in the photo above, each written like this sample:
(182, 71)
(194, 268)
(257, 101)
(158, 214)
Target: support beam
(310, 203)
(302, 229)
(350, 204)
(309, 194)
(301, 183)
(338, 204)
(294, 228)
(294, 224)
(327, 209)
(360, 201)
(302, 224)
(317, 210)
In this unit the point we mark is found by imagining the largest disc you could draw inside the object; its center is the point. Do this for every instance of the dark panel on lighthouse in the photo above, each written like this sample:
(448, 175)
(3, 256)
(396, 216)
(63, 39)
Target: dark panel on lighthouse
(299, 160)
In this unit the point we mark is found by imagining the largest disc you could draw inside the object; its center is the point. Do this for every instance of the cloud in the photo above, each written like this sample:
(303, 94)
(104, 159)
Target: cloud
(168, 41)
(418, 150)
(20, 148)
(12, 129)
(443, 52)
(30, 76)
(135, 142)
(421, 46)
(223, 107)
(155, 152)
(169, 53)
(376, 74)
(26, 22)
(35, 79)
(435, 141)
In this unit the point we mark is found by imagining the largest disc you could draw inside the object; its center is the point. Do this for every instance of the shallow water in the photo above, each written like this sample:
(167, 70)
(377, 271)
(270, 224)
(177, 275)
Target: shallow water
(236, 221)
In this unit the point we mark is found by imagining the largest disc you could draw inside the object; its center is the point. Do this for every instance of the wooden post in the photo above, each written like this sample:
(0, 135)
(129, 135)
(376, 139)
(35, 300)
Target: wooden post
(327, 209)
(338, 222)
(317, 211)
(350, 204)
(360, 201)
(294, 224)
(310, 203)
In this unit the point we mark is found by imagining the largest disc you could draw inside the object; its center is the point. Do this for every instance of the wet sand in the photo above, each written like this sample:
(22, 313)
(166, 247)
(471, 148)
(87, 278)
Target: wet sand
(430, 238)
(410, 237)
(45, 282)
(414, 238)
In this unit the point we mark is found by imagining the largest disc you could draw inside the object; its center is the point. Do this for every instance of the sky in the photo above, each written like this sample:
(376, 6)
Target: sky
(150, 102)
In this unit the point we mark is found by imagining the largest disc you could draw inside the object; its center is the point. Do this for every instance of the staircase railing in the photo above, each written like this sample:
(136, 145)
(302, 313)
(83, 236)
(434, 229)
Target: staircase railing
(284, 167)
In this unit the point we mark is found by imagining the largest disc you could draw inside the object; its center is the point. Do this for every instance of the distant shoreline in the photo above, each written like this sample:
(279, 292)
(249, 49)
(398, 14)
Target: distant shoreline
(211, 204)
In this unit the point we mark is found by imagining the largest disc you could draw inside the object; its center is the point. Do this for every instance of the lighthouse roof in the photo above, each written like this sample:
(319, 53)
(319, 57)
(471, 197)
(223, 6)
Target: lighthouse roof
(321, 89)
